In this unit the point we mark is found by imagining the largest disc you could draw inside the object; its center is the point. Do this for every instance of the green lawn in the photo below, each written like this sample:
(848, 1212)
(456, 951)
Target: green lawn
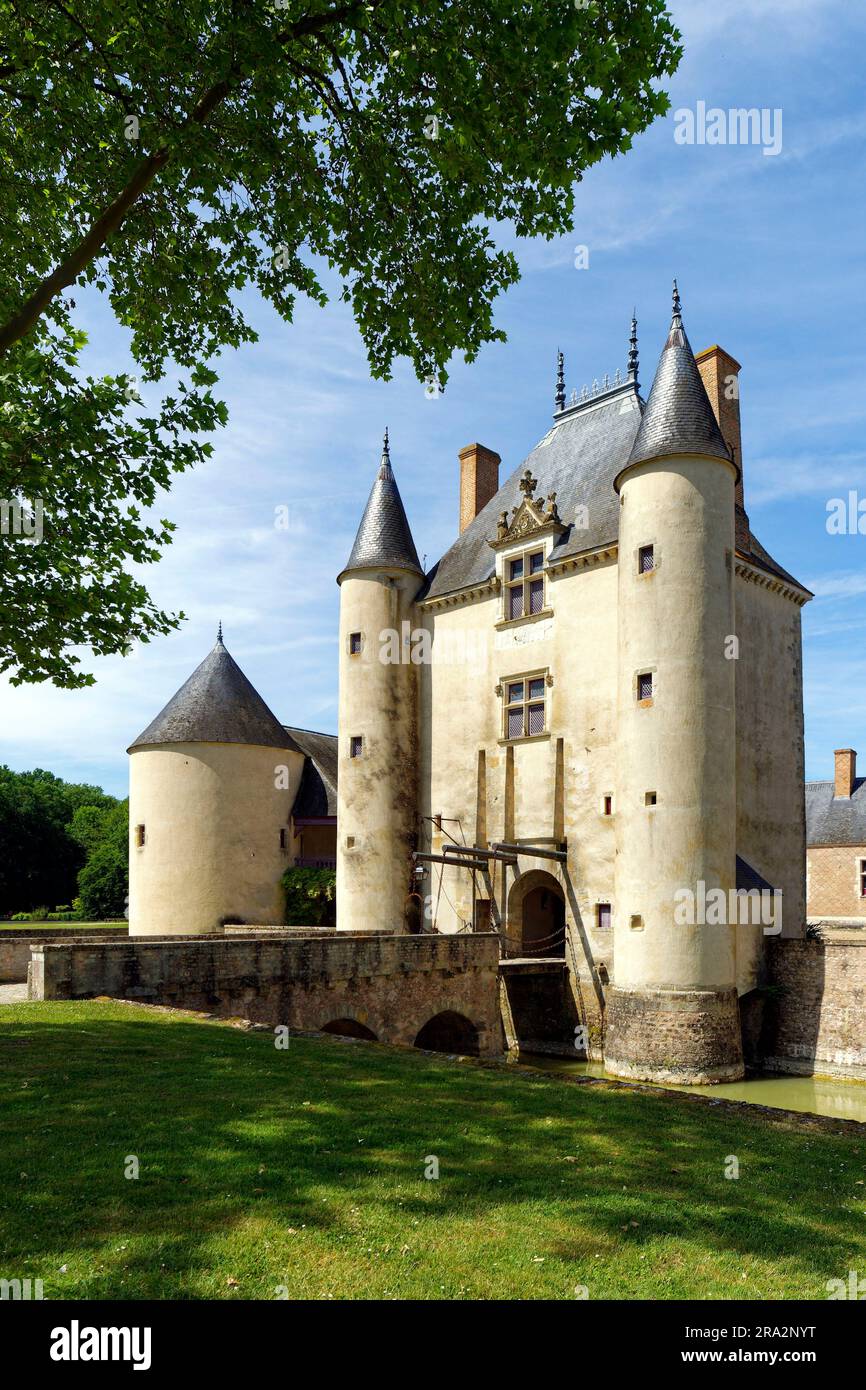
(73, 926)
(304, 1168)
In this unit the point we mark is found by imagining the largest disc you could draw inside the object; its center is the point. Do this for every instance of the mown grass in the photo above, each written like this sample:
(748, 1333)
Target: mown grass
(72, 926)
(303, 1170)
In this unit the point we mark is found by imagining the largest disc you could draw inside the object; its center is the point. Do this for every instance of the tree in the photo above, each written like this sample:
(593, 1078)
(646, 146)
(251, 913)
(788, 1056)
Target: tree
(172, 155)
(103, 882)
(39, 857)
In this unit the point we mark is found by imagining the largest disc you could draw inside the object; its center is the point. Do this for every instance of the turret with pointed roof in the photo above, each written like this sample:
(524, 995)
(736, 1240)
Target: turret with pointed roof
(216, 705)
(384, 538)
(678, 418)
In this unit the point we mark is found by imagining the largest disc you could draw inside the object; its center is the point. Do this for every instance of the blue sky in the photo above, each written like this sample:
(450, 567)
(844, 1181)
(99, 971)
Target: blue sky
(769, 253)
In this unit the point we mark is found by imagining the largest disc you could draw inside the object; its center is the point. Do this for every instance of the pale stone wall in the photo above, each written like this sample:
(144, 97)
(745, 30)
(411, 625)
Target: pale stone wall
(461, 714)
(377, 792)
(674, 622)
(212, 814)
(834, 881)
(771, 828)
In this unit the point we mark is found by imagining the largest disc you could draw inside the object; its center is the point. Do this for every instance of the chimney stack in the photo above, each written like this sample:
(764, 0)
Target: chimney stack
(479, 480)
(720, 375)
(846, 771)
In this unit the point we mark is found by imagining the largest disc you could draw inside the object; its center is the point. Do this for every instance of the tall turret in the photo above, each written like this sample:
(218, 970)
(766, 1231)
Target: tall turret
(212, 782)
(672, 1011)
(378, 733)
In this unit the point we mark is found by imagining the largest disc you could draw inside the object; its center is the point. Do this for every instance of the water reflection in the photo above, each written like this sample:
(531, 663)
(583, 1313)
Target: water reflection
(811, 1095)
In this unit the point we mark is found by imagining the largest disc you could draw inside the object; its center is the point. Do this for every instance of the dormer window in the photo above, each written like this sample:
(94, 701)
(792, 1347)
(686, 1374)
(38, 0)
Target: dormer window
(524, 592)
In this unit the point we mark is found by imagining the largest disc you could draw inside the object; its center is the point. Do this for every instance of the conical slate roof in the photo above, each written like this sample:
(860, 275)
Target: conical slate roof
(384, 537)
(678, 418)
(217, 705)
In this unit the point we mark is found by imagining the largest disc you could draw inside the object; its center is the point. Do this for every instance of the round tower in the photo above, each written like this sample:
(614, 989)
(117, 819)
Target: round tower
(672, 1013)
(212, 782)
(378, 723)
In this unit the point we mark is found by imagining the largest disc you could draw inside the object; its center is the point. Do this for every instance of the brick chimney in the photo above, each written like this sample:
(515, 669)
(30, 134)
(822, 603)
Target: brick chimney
(846, 771)
(720, 375)
(479, 480)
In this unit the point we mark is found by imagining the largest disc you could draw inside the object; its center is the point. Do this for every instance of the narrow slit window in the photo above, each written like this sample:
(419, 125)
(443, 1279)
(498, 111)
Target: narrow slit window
(139, 836)
(863, 878)
(283, 838)
(354, 643)
(356, 746)
(608, 805)
(645, 559)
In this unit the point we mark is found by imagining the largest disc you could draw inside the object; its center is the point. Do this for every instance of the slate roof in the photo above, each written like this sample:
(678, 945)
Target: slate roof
(384, 536)
(678, 418)
(839, 820)
(577, 459)
(580, 457)
(317, 794)
(216, 705)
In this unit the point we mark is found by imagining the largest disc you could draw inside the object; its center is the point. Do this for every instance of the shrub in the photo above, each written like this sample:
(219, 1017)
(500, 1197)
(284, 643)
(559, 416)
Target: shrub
(310, 897)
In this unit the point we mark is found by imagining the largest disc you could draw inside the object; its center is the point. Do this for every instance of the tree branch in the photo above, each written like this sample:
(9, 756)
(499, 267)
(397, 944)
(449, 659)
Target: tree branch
(67, 272)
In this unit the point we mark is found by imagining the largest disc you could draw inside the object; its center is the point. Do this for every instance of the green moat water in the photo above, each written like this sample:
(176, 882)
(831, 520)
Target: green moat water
(841, 1100)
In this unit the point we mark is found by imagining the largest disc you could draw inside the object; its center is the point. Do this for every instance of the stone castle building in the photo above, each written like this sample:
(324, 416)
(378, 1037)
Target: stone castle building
(587, 712)
(836, 844)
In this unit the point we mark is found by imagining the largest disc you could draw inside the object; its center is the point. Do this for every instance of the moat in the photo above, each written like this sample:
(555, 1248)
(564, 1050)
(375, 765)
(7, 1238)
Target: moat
(843, 1100)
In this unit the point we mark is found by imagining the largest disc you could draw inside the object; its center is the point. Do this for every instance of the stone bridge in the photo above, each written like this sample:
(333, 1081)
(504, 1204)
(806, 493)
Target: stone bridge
(440, 992)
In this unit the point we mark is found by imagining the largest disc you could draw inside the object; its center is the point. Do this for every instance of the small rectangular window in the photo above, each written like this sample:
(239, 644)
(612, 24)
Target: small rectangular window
(283, 839)
(515, 568)
(354, 643)
(603, 916)
(139, 836)
(649, 798)
(645, 559)
(536, 562)
(515, 723)
(515, 601)
(645, 686)
(356, 746)
(636, 922)
(608, 805)
(536, 595)
(863, 878)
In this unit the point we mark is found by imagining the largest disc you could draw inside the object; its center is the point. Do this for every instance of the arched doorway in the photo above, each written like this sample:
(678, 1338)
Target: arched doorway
(449, 1032)
(536, 916)
(349, 1028)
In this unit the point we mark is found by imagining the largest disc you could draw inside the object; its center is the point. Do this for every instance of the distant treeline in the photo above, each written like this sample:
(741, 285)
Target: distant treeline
(63, 845)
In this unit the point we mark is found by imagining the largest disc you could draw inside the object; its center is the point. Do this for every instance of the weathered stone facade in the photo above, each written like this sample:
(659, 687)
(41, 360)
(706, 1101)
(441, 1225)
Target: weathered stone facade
(390, 985)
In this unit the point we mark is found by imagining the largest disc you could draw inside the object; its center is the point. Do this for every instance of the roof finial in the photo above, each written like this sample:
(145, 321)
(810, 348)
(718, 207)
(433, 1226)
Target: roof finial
(220, 631)
(632, 350)
(677, 306)
(560, 380)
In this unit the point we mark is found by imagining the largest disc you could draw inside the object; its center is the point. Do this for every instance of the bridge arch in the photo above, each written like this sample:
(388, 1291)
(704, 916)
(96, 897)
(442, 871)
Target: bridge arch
(449, 1032)
(349, 1028)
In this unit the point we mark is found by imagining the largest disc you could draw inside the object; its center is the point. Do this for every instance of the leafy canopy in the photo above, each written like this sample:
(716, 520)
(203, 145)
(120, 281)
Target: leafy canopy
(175, 154)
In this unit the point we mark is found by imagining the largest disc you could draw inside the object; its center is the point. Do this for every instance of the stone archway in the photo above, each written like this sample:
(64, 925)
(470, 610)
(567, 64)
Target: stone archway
(349, 1028)
(449, 1032)
(536, 915)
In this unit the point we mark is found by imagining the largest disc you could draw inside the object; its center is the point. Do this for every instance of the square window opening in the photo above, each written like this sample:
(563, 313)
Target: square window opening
(356, 746)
